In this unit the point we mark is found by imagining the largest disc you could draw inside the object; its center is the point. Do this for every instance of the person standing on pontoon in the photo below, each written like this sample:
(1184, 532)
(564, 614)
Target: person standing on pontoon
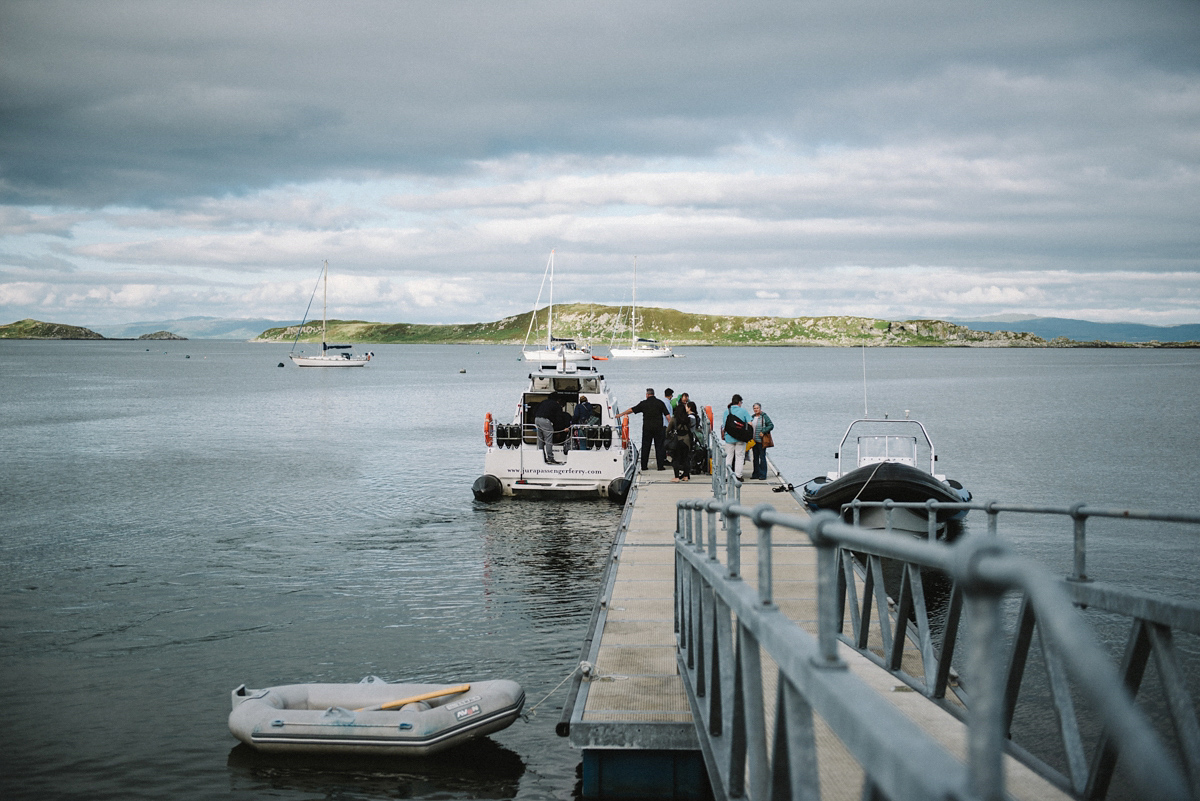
(735, 449)
(654, 424)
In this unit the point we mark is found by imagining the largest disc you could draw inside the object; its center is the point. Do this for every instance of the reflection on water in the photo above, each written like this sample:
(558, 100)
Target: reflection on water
(478, 769)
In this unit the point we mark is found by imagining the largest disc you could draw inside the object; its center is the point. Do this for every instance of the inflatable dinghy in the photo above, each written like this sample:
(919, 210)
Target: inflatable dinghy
(372, 716)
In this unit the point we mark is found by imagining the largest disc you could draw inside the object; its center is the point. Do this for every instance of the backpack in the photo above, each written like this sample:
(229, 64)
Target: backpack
(738, 428)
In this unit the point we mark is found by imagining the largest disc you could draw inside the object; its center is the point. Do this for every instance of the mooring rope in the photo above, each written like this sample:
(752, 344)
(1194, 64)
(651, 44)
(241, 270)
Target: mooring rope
(582, 666)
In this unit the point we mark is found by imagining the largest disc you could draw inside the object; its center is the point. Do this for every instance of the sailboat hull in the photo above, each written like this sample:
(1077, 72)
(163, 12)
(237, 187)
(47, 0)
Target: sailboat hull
(328, 361)
(556, 355)
(640, 353)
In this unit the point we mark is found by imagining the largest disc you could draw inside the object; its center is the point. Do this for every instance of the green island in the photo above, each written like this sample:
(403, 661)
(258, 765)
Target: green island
(36, 329)
(596, 324)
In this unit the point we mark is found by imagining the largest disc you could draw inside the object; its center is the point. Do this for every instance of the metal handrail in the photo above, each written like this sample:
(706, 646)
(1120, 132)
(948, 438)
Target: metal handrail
(721, 662)
(1079, 513)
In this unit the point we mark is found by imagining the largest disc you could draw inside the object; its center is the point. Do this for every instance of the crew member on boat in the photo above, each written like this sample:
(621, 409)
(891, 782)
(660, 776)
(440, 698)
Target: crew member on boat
(654, 426)
(585, 415)
(544, 416)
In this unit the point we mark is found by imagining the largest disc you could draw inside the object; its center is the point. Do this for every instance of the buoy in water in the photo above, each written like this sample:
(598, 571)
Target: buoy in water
(463, 370)
(487, 488)
(281, 364)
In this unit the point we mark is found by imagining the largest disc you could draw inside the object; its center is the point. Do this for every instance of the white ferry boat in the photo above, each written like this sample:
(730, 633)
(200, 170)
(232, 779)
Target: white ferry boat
(591, 459)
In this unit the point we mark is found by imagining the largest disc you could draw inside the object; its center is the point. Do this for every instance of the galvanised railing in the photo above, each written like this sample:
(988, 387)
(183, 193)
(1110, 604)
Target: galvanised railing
(725, 485)
(724, 626)
(1153, 623)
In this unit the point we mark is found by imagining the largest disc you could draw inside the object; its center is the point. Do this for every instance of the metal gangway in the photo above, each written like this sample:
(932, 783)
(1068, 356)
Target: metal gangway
(972, 657)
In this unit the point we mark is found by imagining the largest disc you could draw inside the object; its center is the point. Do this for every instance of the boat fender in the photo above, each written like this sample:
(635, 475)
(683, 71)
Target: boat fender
(618, 489)
(487, 429)
(487, 488)
(624, 432)
(606, 437)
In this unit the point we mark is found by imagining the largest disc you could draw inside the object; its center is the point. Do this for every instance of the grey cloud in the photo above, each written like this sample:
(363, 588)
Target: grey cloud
(149, 101)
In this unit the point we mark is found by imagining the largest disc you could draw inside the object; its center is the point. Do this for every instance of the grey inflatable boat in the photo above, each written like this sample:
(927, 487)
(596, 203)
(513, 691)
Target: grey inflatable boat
(372, 716)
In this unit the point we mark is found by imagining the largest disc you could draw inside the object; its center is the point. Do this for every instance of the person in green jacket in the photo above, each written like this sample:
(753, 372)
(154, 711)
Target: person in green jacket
(762, 424)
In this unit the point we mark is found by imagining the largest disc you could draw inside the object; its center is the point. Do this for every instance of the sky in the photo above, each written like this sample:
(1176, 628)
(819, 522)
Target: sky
(952, 159)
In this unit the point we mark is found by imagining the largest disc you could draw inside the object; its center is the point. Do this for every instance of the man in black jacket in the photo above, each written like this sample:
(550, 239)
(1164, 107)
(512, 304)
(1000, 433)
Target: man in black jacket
(654, 425)
(544, 417)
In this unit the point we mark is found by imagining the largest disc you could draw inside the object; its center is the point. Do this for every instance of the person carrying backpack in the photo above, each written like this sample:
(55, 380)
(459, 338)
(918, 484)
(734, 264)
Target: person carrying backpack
(737, 430)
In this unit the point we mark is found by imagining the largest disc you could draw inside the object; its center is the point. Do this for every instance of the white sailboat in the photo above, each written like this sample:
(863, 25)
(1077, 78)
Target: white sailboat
(325, 358)
(557, 349)
(639, 347)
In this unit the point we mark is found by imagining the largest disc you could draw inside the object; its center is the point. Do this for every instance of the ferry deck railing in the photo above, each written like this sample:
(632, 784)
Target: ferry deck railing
(724, 626)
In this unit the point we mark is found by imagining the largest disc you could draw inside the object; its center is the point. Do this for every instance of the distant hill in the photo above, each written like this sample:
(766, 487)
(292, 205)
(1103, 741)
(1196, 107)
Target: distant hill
(36, 329)
(1085, 330)
(163, 335)
(595, 324)
(196, 327)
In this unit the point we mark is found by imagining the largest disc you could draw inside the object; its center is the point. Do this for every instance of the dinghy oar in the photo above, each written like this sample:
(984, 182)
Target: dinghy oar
(461, 688)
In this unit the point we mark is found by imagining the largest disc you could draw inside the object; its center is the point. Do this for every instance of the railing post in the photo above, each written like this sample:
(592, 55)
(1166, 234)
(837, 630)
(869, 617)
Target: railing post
(1080, 572)
(712, 507)
(986, 734)
(733, 543)
(827, 591)
(765, 591)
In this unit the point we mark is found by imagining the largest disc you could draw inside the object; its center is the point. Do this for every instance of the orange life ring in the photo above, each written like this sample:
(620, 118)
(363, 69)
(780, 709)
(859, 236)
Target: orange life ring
(487, 429)
(624, 432)
(708, 412)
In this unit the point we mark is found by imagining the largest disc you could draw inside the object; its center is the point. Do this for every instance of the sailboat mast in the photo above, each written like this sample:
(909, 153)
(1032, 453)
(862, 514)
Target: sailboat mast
(325, 306)
(633, 309)
(550, 312)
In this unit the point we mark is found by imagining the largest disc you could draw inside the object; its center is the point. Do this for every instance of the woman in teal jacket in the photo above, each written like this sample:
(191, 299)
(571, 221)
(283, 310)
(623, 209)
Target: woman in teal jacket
(762, 424)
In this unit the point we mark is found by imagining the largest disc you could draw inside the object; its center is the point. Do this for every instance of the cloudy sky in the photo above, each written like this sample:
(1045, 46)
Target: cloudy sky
(923, 159)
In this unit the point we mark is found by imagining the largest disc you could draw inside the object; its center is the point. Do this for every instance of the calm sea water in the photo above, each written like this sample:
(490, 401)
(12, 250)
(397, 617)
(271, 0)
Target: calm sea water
(172, 527)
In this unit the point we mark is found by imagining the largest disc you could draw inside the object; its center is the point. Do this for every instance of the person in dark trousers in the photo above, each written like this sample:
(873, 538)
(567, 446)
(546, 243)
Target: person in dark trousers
(654, 425)
(544, 416)
(585, 415)
(679, 435)
(762, 426)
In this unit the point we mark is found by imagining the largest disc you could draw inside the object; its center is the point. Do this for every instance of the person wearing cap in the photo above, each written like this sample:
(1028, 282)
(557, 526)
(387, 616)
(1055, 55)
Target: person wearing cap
(654, 427)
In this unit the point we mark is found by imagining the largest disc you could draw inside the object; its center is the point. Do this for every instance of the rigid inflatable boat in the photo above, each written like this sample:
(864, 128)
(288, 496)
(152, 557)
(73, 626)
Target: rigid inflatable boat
(372, 716)
(888, 466)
